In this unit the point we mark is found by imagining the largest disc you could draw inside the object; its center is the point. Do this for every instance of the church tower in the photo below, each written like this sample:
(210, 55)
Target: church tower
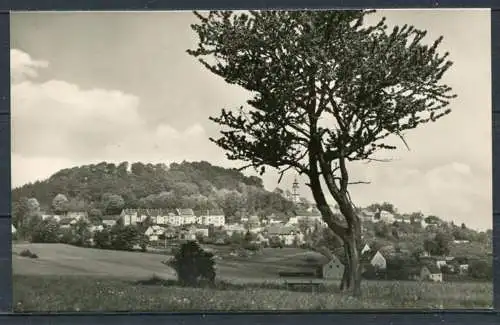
(295, 191)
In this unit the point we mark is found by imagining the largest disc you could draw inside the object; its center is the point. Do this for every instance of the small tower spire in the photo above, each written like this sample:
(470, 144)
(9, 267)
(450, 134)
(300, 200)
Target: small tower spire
(295, 191)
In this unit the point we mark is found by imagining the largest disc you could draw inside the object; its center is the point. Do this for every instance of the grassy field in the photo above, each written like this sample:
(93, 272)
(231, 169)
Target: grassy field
(59, 259)
(66, 278)
(83, 293)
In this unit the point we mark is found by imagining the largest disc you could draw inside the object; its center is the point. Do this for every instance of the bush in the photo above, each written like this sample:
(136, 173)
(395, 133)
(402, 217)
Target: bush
(481, 270)
(102, 239)
(28, 253)
(252, 247)
(45, 231)
(193, 264)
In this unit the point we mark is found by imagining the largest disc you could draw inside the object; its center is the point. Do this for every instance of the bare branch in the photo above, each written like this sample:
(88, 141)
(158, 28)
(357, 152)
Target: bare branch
(369, 160)
(245, 167)
(359, 182)
(283, 172)
(403, 139)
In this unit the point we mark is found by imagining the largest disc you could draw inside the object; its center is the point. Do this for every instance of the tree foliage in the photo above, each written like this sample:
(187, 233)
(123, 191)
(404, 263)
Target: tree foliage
(60, 204)
(193, 264)
(326, 90)
(197, 185)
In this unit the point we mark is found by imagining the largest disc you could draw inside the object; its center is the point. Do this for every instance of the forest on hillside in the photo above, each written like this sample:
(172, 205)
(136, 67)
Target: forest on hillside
(106, 188)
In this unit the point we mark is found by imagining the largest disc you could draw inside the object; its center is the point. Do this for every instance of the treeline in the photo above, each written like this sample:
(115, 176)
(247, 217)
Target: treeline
(106, 188)
(117, 237)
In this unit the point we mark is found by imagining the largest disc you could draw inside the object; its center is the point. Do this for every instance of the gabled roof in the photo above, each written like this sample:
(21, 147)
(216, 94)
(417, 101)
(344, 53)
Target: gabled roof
(305, 213)
(77, 213)
(110, 217)
(278, 229)
(203, 213)
(413, 269)
(254, 219)
(185, 212)
(367, 256)
(461, 260)
(65, 221)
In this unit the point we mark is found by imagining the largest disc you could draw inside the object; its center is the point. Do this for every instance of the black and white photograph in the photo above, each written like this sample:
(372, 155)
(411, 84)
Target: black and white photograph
(307, 160)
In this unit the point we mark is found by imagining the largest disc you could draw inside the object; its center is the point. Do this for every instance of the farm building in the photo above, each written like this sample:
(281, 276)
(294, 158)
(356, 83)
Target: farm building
(109, 221)
(375, 259)
(432, 273)
(365, 249)
(153, 232)
(333, 269)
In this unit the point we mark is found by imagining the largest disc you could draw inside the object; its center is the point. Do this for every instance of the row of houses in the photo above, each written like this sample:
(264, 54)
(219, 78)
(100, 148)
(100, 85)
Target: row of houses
(177, 217)
(425, 270)
(390, 218)
(428, 267)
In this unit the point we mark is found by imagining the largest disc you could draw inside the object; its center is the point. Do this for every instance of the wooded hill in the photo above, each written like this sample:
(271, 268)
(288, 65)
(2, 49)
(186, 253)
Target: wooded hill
(196, 185)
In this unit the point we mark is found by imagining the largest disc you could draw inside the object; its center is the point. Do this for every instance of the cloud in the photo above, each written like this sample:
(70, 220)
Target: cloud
(56, 123)
(451, 191)
(23, 66)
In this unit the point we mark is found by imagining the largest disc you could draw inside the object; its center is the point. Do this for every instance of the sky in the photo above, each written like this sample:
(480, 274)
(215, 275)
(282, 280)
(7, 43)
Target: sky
(91, 87)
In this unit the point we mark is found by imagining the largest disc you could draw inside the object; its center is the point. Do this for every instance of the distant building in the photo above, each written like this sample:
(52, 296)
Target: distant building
(129, 216)
(287, 234)
(110, 221)
(375, 259)
(65, 223)
(310, 217)
(386, 217)
(77, 215)
(187, 216)
(153, 232)
(211, 217)
(432, 273)
(461, 241)
(232, 228)
(402, 219)
(367, 216)
(95, 228)
(333, 269)
(365, 249)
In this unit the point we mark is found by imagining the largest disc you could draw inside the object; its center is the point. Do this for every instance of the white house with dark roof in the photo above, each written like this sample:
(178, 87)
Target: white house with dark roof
(288, 234)
(309, 216)
(110, 221)
(210, 217)
(235, 227)
(187, 216)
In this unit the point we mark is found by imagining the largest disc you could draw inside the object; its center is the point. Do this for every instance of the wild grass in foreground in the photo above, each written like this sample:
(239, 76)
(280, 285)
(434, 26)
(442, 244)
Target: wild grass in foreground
(75, 293)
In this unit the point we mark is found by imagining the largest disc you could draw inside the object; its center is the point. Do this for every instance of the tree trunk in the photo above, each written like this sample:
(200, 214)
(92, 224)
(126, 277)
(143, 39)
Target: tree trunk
(351, 279)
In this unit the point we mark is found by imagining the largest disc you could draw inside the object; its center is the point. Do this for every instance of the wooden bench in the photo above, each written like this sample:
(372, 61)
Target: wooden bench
(301, 279)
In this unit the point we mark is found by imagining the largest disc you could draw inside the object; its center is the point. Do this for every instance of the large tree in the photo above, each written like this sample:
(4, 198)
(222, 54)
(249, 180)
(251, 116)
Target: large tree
(327, 91)
(60, 204)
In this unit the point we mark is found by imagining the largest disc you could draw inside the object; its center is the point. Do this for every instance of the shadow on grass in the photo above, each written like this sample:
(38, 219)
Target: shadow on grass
(221, 285)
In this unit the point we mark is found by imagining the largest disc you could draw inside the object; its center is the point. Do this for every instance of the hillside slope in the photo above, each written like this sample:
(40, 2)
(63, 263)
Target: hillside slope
(196, 185)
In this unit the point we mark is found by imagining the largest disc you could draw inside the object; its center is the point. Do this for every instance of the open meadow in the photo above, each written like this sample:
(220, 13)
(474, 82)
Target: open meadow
(66, 278)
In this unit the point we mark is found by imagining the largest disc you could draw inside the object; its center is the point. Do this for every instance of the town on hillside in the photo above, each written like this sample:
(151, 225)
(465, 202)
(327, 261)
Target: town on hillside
(395, 246)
